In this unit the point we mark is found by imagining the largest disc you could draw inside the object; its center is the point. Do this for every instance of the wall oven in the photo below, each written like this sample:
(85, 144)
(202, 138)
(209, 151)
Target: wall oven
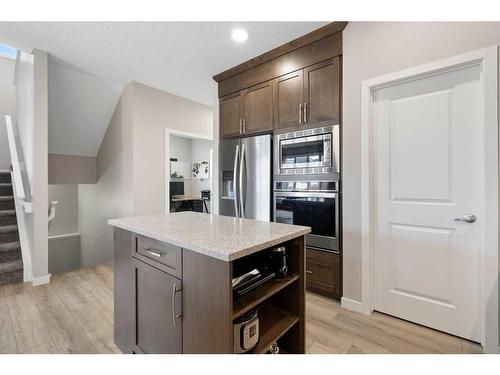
(315, 204)
(310, 151)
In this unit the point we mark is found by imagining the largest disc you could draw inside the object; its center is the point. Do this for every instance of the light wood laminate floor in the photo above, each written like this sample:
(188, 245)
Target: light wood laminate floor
(74, 314)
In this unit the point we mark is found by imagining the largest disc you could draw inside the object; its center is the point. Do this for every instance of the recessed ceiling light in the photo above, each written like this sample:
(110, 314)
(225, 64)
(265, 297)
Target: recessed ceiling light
(239, 35)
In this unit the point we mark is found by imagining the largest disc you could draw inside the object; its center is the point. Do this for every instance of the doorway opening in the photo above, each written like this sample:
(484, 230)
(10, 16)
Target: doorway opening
(189, 172)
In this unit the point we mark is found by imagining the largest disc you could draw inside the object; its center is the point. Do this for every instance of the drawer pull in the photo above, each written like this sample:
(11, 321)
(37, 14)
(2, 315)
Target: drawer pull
(152, 252)
(307, 271)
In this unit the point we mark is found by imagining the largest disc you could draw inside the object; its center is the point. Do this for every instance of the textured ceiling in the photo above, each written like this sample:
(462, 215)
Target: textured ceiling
(178, 57)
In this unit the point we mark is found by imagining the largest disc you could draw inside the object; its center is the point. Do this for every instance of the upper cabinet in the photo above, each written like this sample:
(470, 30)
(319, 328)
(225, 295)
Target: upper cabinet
(308, 96)
(248, 111)
(230, 108)
(258, 108)
(295, 85)
(288, 100)
(322, 92)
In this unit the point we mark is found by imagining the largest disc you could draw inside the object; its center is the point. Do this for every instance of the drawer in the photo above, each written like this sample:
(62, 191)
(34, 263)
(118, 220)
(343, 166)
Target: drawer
(322, 257)
(323, 273)
(161, 255)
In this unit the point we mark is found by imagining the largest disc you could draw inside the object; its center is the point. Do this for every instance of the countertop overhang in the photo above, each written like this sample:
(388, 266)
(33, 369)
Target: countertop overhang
(222, 237)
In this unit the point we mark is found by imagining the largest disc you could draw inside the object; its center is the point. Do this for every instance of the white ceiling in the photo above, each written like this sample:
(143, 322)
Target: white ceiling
(178, 57)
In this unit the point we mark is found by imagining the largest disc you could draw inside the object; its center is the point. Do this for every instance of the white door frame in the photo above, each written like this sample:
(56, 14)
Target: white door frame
(487, 58)
(180, 133)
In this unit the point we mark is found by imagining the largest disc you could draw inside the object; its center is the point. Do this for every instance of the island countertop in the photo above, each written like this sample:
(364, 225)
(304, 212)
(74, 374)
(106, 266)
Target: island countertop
(222, 237)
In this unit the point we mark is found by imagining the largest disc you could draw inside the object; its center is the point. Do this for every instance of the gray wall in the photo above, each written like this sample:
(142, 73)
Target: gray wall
(155, 110)
(7, 106)
(66, 220)
(71, 169)
(111, 196)
(372, 49)
(65, 252)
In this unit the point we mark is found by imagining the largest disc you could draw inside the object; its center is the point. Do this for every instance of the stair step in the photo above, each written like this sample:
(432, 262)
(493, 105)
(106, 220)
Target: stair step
(5, 176)
(5, 188)
(11, 277)
(8, 217)
(8, 233)
(8, 228)
(9, 246)
(7, 202)
(12, 266)
(7, 212)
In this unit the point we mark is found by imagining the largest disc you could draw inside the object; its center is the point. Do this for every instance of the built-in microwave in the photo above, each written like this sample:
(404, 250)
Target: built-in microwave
(310, 151)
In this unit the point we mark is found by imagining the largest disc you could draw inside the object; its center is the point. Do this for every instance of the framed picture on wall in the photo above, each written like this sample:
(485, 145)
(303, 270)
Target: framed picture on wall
(201, 171)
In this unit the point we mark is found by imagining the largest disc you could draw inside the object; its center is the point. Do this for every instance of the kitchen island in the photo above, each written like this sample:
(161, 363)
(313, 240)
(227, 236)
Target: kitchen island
(173, 283)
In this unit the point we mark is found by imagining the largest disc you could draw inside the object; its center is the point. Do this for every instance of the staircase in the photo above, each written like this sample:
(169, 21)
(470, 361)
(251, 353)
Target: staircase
(11, 262)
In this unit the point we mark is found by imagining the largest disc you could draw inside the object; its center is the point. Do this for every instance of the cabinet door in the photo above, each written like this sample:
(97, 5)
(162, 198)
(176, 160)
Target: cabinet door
(231, 114)
(322, 91)
(258, 108)
(288, 100)
(156, 304)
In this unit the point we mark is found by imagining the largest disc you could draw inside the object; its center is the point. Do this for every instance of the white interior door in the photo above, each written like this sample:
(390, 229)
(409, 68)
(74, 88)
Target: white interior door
(427, 139)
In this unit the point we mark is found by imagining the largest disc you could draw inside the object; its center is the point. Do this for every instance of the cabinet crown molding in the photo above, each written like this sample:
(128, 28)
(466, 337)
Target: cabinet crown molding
(322, 32)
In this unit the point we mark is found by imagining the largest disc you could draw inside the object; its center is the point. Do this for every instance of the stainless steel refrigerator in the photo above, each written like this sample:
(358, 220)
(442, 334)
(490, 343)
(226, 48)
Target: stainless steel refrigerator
(245, 178)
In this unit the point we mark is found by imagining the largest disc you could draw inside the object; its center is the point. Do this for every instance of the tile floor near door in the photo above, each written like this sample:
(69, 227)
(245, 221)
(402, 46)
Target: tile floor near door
(74, 314)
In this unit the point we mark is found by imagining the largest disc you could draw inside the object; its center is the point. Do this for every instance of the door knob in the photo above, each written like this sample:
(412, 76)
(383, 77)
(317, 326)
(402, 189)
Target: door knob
(468, 218)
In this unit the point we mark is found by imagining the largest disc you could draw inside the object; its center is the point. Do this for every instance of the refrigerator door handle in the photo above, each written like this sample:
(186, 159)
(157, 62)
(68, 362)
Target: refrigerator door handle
(235, 174)
(242, 164)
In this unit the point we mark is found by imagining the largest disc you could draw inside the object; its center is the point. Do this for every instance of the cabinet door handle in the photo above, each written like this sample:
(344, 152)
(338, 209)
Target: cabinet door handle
(305, 112)
(300, 113)
(307, 271)
(174, 315)
(241, 125)
(244, 125)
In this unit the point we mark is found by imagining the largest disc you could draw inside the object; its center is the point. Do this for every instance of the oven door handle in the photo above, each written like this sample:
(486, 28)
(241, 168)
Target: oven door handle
(304, 194)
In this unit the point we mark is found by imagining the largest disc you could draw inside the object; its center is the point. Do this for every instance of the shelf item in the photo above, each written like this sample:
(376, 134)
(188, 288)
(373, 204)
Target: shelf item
(263, 292)
(180, 170)
(273, 324)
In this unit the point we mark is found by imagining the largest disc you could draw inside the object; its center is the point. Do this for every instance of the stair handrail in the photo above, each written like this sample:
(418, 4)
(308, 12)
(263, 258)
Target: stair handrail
(16, 166)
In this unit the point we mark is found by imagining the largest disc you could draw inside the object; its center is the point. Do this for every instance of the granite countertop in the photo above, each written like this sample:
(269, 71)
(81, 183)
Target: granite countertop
(222, 237)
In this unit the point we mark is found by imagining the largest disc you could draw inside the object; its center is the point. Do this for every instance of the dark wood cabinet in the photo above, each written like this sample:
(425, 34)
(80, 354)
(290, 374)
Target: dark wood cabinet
(230, 116)
(246, 112)
(258, 108)
(308, 96)
(156, 312)
(323, 274)
(322, 91)
(158, 305)
(288, 100)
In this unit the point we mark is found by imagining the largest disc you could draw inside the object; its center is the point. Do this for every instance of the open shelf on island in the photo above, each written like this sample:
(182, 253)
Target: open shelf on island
(273, 324)
(260, 294)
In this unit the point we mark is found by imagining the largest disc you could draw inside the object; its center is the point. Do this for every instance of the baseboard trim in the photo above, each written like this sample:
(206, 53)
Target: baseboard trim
(41, 280)
(356, 306)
